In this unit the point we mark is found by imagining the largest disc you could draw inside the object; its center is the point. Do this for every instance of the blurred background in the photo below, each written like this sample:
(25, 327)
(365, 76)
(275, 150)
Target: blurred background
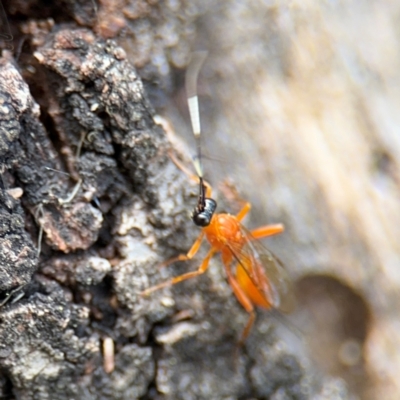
(300, 108)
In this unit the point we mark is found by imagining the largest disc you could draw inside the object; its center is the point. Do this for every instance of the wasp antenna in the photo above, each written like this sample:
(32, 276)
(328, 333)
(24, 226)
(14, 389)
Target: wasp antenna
(192, 74)
(204, 211)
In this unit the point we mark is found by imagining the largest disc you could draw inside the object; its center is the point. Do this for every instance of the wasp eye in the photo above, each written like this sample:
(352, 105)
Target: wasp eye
(201, 219)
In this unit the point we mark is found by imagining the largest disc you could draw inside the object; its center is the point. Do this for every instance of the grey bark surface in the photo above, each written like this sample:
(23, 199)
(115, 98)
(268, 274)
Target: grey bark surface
(291, 106)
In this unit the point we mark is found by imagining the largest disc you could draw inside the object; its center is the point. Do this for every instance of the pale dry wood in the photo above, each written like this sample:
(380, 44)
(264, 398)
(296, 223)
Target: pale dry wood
(308, 128)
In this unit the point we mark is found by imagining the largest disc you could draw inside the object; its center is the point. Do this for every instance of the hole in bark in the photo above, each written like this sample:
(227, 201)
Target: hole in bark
(335, 320)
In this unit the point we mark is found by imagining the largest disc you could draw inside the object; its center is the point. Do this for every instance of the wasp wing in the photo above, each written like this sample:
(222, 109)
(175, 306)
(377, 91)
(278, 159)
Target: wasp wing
(265, 272)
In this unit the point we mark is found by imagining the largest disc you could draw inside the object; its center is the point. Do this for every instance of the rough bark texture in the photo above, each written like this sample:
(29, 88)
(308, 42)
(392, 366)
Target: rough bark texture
(298, 107)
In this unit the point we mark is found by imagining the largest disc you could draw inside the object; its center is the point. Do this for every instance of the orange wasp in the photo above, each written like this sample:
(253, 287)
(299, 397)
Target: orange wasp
(255, 275)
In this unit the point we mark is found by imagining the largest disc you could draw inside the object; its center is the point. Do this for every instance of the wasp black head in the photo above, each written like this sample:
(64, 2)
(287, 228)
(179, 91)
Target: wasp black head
(202, 215)
(205, 208)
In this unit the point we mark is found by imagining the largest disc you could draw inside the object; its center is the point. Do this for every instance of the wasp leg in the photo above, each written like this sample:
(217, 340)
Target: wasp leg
(189, 255)
(267, 230)
(244, 301)
(262, 231)
(245, 209)
(189, 275)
